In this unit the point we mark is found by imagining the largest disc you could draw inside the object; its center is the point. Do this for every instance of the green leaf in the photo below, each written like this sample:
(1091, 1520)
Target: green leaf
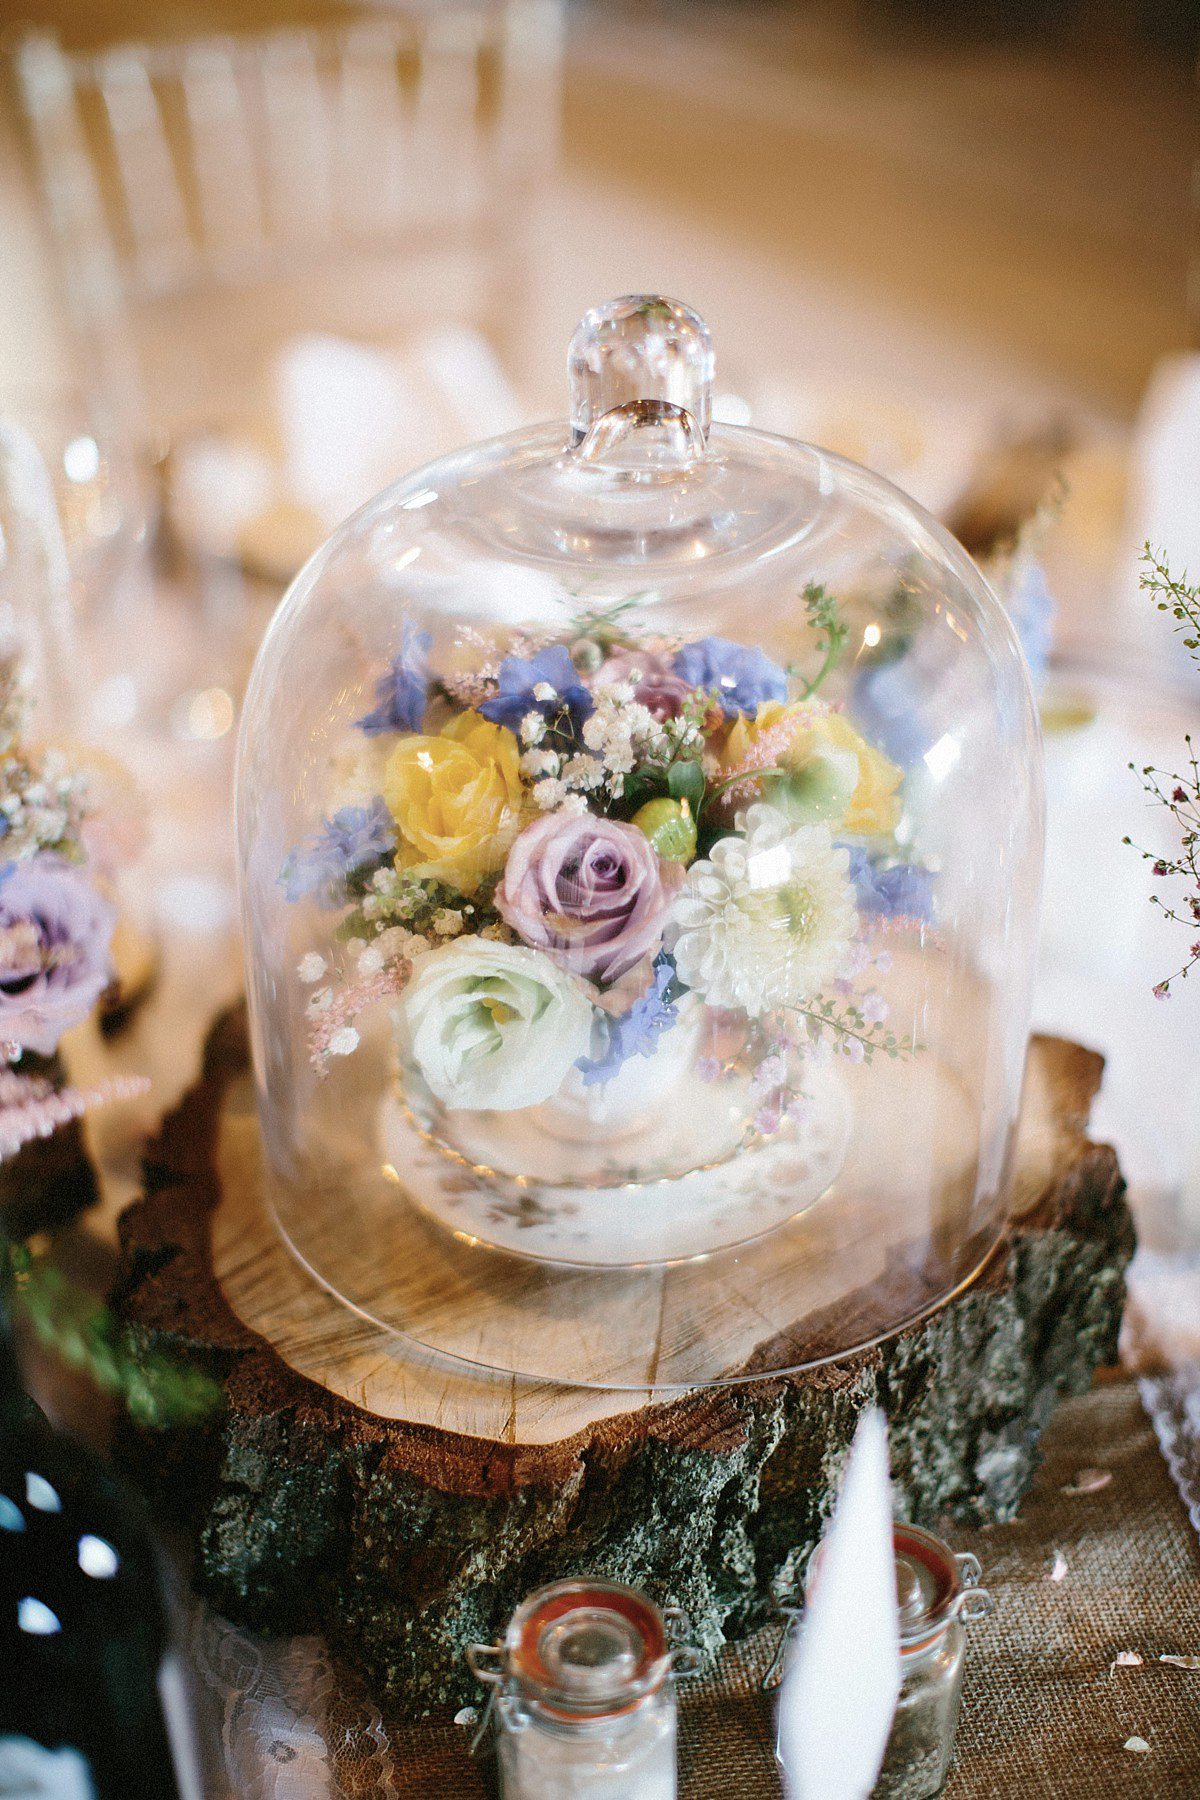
(685, 780)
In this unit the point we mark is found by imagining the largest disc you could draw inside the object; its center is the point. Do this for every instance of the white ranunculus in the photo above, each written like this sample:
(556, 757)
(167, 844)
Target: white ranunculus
(766, 920)
(492, 1026)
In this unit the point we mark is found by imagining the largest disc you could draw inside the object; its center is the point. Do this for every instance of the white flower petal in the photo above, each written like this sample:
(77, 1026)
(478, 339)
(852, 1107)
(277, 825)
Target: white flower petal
(492, 1025)
(766, 921)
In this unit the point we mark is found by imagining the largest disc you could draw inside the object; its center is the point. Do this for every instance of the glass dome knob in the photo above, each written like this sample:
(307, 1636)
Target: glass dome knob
(646, 359)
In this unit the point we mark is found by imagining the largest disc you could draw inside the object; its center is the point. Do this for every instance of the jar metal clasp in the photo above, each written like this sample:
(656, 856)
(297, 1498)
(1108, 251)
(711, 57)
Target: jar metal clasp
(686, 1657)
(974, 1602)
(488, 1663)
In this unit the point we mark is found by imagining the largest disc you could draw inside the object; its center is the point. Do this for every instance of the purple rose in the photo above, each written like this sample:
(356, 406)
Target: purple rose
(590, 892)
(55, 930)
(660, 690)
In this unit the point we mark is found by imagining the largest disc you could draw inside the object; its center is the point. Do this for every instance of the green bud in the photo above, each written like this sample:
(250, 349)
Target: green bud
(670, 827)
(817, 791)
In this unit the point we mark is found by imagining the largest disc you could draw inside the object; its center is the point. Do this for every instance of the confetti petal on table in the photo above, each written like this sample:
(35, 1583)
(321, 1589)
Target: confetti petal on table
(839, 1691)
(1125, 1659)
(1088, 1481)
(1182, 1662)
(1060, 1568)
(1138, 1745)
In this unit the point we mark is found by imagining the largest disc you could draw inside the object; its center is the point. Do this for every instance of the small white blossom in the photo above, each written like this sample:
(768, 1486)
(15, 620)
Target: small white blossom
(371, 960)
(448, 924)
(535, 764)
(533, 728)
(619, 758)
(311, 967)
(545, 691)
(585, 772)
(549, 794)
(767, 918)
(398, 942)
(343, 1042)
(594, 730)
(614, 694)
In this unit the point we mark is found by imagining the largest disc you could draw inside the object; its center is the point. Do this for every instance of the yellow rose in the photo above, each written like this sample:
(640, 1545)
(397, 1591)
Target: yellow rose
(834, 775)
(456, 800)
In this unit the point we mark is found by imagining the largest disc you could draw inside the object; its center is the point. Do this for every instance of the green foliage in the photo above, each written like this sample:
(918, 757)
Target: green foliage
(1173, 595)
(1178, 792)
(71, 1323)
(824, 615)
(850, 1032)
(685, 781)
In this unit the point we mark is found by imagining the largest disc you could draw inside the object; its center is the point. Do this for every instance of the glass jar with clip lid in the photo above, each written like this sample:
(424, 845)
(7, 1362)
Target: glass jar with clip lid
(583, 1694)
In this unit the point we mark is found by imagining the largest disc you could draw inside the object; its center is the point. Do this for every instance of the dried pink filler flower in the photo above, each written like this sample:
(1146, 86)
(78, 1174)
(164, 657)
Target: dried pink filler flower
(331, 1032)
(765, 753)
(31, 1107)
(470, 690)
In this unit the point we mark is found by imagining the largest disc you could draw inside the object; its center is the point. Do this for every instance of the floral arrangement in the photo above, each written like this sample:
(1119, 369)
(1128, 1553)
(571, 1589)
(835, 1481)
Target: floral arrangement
(1178, 793)
(56, 927)
(553, 851)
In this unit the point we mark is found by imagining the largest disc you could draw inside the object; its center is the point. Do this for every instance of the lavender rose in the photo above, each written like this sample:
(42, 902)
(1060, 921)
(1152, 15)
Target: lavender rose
(659, 689)
(55, 930)
(590, 892)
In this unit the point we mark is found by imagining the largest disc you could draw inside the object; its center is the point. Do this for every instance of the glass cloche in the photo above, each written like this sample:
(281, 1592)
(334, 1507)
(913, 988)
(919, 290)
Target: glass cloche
(640, 826)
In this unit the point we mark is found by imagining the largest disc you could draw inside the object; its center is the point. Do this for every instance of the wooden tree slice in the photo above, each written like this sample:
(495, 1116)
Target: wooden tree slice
(402, 1507)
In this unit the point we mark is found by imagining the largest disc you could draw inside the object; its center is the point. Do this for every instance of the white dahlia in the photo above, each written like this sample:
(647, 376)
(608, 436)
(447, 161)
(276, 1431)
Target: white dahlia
(767, 919)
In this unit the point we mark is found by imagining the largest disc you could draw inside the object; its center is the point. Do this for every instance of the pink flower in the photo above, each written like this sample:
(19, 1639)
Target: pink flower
(589, 891)
(659, 689)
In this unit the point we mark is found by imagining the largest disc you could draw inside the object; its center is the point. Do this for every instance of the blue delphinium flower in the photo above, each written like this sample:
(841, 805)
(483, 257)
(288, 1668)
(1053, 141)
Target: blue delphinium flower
(547, 683)
(891, 703)
(401, 694)
(742, 678)
(900, 892)
(1031, 608)
(355, 837)
(636, 1032)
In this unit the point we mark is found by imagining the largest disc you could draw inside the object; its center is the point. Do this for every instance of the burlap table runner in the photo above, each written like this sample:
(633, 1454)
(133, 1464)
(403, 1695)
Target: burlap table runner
(1042, 1714)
